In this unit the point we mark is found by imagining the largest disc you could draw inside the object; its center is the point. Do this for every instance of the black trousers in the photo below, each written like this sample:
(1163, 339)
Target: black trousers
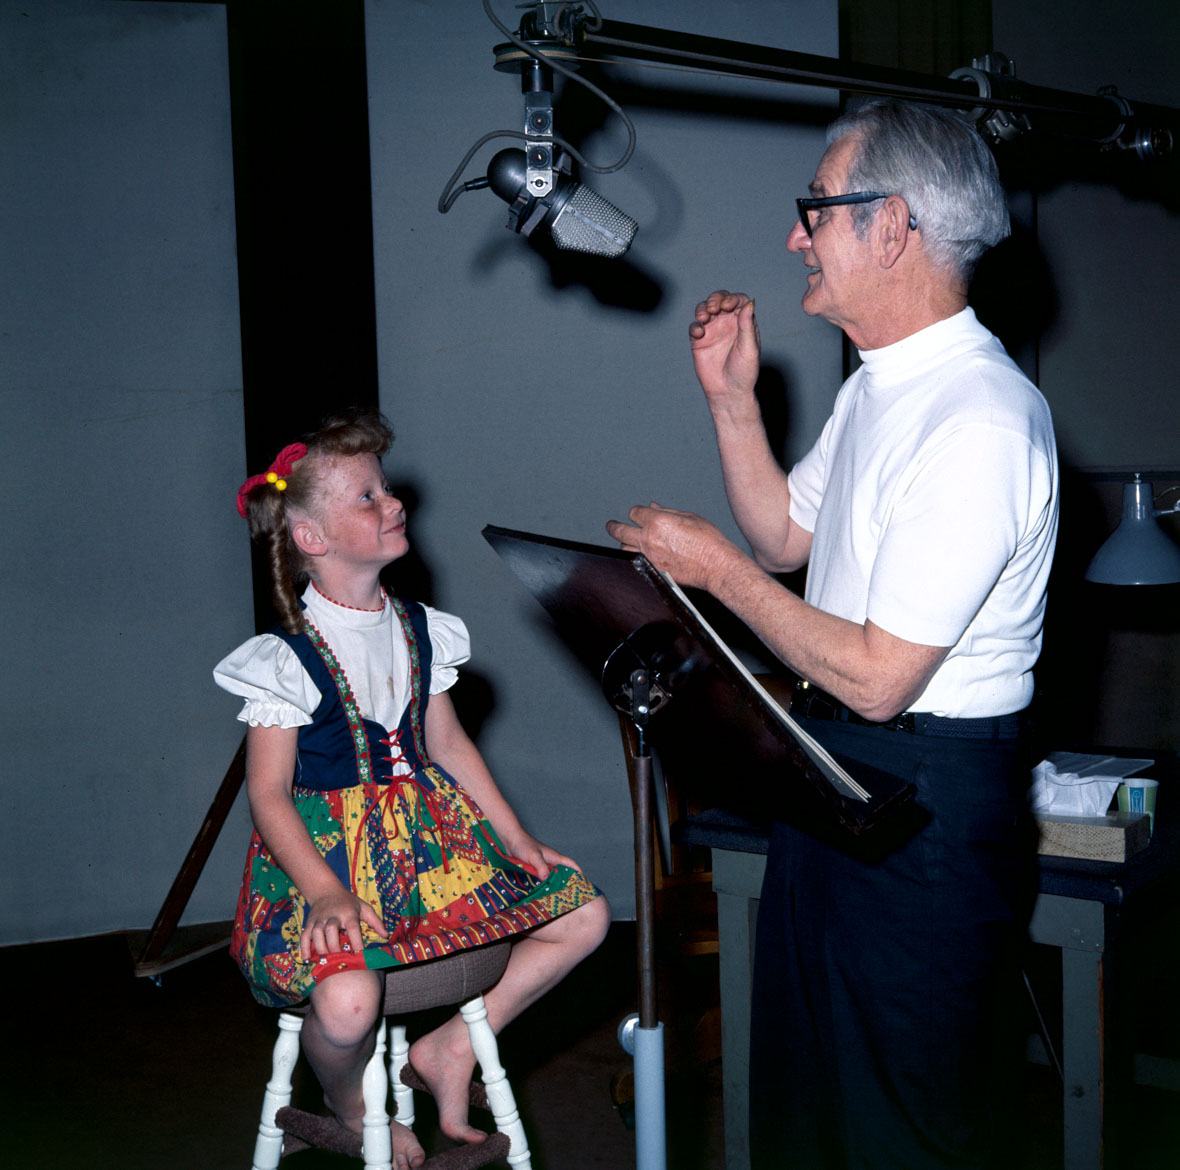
(877, 965)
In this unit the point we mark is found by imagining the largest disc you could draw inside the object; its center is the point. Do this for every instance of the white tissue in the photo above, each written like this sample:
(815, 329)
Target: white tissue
(1055, 793)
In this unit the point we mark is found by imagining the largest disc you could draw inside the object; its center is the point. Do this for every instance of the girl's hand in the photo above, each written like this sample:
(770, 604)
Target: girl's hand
(334, 913)
(539, 859)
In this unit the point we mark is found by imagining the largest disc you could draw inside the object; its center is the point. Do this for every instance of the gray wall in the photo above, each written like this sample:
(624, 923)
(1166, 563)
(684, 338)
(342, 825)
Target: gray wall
(125, 570)
(1107, 367)
(1113, 258)
(523, 402)
(521, 399)
(120, 410)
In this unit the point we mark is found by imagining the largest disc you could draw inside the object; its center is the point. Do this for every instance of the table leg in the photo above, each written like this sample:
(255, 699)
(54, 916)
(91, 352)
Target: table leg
(737, 879)
(1078, 928)
(1083, 1057)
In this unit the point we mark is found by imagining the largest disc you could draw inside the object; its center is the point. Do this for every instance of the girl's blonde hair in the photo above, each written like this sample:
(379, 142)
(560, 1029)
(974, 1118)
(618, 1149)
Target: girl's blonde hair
(268, 510)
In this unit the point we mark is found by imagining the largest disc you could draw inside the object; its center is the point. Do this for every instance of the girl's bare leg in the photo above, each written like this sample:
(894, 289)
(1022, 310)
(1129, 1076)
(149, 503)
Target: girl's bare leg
(539, 961)
(338, 1038)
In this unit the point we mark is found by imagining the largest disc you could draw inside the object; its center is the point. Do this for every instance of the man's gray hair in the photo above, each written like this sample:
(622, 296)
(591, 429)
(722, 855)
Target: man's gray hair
(939, 165)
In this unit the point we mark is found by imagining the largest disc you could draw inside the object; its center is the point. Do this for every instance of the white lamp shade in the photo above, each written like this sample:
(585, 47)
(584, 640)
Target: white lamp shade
(1138, 552)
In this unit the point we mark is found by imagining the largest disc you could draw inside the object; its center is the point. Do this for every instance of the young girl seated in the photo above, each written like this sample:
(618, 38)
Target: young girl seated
(380, 836)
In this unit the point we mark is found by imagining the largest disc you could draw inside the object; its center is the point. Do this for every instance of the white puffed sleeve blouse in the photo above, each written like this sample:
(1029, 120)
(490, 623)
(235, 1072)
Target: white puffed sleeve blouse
(369, 644)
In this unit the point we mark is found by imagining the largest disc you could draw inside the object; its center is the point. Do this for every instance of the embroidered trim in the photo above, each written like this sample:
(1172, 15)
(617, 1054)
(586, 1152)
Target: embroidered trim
(415, 680)
(354, 608)
(360, 739)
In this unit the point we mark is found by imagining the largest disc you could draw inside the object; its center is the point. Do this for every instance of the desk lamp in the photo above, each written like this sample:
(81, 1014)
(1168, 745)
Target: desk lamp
(1138, 552)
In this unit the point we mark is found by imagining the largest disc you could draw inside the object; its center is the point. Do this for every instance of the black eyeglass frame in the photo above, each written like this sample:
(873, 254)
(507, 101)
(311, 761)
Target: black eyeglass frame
(806, 206)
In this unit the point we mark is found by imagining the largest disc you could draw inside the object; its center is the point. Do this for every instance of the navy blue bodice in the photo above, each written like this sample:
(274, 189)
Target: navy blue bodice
(340, 748)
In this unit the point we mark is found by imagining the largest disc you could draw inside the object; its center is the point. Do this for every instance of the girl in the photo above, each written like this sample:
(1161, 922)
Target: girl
(380, 836)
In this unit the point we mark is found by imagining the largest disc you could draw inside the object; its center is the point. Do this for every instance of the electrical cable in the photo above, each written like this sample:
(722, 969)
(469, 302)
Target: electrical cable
(451, 192)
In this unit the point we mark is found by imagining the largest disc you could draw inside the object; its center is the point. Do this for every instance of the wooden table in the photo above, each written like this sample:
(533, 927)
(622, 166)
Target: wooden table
(1083, 908)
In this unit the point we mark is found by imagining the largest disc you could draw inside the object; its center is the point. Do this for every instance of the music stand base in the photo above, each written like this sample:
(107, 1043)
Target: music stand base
(646, 1046)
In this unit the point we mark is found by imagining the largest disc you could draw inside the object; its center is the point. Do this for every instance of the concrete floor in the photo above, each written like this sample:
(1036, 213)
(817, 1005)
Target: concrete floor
(116, 1072)
(112, 1071)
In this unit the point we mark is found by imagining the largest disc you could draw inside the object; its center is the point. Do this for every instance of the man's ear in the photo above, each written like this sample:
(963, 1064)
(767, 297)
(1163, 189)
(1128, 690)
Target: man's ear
(308, 538)
(893, 230)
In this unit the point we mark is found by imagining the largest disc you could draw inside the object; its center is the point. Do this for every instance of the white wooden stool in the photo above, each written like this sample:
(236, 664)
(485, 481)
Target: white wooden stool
(456, 979)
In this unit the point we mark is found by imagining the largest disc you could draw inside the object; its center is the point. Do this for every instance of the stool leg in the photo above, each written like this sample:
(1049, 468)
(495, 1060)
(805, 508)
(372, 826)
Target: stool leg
(376, 1144)
(268, 1146)
(499, 1091)
(399, 1057)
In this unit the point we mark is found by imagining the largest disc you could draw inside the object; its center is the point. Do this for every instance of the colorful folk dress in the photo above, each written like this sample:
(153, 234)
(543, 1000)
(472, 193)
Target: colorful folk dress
(395, 828)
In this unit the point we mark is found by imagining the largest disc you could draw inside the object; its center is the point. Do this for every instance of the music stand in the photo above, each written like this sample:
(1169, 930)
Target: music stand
(661, 664)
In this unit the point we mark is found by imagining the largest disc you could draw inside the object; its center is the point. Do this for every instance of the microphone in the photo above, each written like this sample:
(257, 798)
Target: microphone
(578, 219)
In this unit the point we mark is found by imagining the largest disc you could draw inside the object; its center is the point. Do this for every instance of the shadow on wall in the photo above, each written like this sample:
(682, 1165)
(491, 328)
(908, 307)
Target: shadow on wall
(1068, 675)
(1041, 163)
(411, 577)
(1107, 672)
(1014, 295)
(774, 390)
(617, 284)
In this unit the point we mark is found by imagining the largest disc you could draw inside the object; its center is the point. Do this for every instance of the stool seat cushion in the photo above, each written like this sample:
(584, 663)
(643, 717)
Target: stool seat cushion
(440, 982)
(453, 979)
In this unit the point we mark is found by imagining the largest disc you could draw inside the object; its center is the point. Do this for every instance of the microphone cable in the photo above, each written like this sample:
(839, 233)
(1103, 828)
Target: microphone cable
(451, 191)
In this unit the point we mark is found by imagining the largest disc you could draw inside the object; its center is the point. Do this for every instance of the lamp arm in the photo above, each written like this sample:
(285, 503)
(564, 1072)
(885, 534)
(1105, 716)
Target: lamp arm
(1167, 511)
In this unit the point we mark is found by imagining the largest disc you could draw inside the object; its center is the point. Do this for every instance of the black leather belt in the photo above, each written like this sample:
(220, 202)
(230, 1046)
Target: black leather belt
(810, 702)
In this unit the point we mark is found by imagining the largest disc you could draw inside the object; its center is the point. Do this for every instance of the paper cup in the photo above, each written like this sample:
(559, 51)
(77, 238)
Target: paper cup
(1137, 795)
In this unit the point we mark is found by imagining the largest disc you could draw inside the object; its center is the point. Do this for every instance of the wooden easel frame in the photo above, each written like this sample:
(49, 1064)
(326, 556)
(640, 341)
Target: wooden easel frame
(156, 955)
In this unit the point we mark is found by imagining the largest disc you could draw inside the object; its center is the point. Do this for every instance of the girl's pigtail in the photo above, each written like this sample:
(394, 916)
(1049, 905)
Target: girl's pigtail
(263, 502)
(286, 600)
(292, 482)
(266, 514)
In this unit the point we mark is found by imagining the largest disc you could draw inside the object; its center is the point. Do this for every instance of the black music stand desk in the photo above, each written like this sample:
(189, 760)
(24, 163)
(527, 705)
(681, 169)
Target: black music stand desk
(660, 663)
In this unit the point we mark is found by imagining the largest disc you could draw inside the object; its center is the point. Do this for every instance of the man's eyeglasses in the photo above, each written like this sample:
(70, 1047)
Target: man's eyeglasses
(807, 206)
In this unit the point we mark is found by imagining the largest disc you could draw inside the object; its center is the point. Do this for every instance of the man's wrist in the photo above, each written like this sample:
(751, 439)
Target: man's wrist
(737, 412)
(727, 570)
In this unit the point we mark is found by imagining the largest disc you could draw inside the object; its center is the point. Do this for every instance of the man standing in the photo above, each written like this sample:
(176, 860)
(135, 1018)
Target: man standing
(927, 514)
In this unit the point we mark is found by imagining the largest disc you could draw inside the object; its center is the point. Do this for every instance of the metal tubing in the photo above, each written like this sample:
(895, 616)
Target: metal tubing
(644, 892)
(1098, 117)
(650, 1136)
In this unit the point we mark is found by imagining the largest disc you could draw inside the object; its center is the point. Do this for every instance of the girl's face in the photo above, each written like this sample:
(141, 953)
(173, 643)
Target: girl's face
(362, 522)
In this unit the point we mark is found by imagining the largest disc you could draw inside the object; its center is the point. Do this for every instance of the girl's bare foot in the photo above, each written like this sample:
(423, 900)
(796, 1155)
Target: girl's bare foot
(444, 1060)
(407, 1150)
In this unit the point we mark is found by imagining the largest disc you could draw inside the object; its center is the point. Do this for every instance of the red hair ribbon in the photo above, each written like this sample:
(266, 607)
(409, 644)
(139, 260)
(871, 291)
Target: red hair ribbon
(276, 473)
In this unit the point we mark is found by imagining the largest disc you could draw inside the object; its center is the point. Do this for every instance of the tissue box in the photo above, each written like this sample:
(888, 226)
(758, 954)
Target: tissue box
(1113, 837)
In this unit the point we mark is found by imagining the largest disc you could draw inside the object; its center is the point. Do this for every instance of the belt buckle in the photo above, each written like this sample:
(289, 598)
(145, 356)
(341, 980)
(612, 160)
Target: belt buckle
(814, 703)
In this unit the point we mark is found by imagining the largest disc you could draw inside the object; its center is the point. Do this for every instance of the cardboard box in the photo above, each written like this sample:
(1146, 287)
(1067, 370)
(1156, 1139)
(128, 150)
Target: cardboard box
(1113, 837)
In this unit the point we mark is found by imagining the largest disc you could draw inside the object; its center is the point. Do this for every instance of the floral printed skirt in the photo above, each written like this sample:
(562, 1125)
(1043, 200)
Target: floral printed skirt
(421, 853)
